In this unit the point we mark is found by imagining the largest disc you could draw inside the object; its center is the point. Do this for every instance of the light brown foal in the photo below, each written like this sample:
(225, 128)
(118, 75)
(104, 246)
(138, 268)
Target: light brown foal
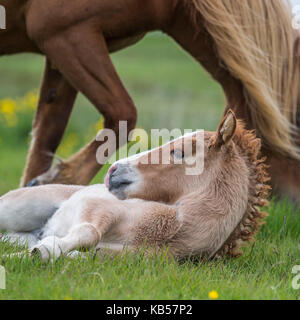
(211, 213)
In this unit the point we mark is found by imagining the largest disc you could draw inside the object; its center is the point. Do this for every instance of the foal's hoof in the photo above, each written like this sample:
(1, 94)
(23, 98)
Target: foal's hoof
(47, 250)
(40, 252)
(32, 183)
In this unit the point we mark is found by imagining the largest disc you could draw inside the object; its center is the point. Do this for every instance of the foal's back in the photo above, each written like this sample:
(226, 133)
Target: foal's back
(28, 209)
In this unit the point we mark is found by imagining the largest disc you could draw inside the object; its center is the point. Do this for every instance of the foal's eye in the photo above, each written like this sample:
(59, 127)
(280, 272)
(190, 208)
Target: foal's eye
(178, 154)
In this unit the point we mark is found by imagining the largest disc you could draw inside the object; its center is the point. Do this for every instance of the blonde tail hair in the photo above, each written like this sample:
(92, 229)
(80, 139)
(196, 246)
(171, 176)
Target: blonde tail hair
(255, 41)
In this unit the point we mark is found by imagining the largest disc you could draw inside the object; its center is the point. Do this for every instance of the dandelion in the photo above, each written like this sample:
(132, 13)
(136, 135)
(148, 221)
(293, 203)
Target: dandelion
(94, 129)
(11, 110)
(30, 100)
(8, 108)
(68, 298)
(99, 125)
(213, 295)
(69, 143)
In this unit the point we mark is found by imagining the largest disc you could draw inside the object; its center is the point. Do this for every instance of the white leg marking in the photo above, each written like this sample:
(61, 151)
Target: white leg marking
(84, 236)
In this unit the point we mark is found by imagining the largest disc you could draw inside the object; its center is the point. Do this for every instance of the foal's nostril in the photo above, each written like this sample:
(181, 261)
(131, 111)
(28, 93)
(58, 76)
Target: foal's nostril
(110, 171)
(113, 170)
(32, 183)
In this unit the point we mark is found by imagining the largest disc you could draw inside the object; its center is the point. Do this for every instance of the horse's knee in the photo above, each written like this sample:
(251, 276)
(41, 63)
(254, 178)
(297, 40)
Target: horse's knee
(113, 122)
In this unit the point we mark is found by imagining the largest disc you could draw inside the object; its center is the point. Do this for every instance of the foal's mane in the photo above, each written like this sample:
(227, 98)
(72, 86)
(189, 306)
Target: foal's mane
(249, 147)
(256, 43)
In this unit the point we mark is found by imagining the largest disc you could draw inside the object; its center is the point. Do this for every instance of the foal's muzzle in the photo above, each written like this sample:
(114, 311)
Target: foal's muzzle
(119, 178)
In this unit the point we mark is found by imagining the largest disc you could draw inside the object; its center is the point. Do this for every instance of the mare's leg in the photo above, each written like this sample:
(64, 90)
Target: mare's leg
(121, 43)
(82, 56)
(55, 105)
(285, 176)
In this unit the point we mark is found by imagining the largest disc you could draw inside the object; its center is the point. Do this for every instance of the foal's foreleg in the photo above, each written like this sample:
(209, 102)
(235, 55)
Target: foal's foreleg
(84, 235)
(95, 219)
(55, 105)
(82, 56)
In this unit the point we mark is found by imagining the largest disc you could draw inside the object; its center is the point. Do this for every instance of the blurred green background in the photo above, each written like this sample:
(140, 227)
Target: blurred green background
(169, 88)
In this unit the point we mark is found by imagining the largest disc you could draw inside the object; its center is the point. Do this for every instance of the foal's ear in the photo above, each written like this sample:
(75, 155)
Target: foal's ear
(226, 129)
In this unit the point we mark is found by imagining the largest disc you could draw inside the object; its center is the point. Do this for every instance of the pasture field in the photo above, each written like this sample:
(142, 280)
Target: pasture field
(170, 91)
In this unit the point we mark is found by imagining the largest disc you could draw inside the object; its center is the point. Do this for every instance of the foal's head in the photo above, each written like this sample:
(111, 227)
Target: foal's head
(216, 180)
(177, 168)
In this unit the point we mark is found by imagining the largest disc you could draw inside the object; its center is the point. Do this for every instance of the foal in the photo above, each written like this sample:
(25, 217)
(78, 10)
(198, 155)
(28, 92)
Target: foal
(208, 214)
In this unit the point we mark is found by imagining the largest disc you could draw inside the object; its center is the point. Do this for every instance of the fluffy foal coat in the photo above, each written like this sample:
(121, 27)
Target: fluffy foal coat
(211, 214)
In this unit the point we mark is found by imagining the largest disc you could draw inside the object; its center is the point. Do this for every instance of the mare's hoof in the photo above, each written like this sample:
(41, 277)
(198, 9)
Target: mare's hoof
(32, 183)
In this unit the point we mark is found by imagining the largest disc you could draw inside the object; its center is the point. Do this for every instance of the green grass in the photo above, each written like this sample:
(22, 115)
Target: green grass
(170, 90)
(263, 272)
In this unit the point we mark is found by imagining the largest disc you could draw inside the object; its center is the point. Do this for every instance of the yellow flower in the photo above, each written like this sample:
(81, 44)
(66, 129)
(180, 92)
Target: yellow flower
(69, 143)
(30, 100)
(8, 106)
(68, 298)
(99, 125)
(94, 129)
(213, 295)
(8, 109)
